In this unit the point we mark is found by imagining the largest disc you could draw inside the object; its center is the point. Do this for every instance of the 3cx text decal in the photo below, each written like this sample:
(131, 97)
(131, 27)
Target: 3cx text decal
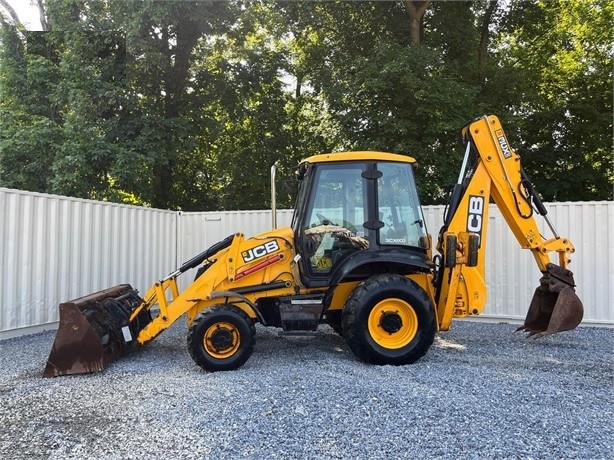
(505, 147)
(395, 240)
(260, 251)
(475, 214)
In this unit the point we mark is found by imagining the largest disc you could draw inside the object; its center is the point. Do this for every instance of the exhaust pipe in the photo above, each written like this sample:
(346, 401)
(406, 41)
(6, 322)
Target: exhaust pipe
(274, 196)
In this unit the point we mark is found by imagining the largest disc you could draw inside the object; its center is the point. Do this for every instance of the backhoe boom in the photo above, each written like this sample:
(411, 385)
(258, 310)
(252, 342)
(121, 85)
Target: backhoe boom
(496, 173)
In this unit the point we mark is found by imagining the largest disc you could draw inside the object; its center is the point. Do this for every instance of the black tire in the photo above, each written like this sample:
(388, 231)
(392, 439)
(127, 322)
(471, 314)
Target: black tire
(389, 319)
(221, 338)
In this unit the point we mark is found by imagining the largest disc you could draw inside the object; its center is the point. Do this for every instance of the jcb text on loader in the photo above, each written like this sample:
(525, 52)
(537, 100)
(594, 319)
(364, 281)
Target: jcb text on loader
(357, 256)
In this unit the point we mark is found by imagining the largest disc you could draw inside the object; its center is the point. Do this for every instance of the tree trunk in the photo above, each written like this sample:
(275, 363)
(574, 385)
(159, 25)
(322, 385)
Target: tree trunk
(11, 12)
(43, 17)
(188, 34)
(415, 11)
(484, 39)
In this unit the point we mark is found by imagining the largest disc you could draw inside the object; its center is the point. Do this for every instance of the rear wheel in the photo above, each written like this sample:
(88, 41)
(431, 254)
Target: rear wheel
(389, 319)
(221, 338)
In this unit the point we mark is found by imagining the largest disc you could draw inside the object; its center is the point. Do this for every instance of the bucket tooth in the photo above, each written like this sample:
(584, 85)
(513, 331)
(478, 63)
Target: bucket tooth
(91, 331)
(555, 307)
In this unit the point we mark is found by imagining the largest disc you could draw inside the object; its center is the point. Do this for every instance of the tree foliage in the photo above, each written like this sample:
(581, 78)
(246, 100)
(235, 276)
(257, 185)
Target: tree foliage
(186, 105)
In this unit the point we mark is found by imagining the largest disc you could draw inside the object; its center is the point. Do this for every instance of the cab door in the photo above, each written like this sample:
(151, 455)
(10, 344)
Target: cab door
(334, 209)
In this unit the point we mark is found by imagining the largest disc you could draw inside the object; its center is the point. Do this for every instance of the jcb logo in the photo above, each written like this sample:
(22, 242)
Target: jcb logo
(475, 214)
(260, 251)
(505, 147)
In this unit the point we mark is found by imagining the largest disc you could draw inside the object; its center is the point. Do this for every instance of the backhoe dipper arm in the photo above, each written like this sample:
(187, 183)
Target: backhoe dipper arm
(513, 193)
(497, 173)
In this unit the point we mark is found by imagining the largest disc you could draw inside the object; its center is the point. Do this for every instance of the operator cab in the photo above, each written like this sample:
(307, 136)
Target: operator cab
(355, 201)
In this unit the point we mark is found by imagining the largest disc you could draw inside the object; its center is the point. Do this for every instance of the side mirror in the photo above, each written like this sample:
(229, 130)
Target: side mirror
(425, 242)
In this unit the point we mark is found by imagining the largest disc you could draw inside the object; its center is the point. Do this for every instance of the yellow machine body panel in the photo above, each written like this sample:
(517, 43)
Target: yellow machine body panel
(357, 256)
(249, 269)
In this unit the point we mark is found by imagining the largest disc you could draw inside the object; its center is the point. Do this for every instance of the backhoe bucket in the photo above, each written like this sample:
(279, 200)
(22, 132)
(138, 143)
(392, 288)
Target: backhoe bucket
(95, 330)
(555, 307)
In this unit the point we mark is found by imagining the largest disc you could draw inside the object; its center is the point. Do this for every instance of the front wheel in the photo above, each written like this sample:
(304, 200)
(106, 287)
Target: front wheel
(389, 319)
(221, 338)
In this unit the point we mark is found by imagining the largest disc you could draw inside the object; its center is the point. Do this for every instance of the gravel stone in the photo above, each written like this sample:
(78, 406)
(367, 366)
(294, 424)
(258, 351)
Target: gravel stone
(481, 392)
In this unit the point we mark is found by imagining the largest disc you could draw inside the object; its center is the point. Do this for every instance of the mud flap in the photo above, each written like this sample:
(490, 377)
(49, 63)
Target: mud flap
(555, 307)
(95, 331)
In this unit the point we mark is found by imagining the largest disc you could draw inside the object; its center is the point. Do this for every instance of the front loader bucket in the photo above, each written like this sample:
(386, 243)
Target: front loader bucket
(555, 307)
(95, 330)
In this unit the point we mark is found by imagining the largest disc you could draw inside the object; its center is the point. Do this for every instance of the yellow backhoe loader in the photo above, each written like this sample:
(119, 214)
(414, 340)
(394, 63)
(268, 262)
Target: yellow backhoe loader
(357, 256)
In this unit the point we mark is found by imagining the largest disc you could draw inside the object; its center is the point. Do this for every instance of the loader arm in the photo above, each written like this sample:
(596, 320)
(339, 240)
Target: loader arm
(495, 172)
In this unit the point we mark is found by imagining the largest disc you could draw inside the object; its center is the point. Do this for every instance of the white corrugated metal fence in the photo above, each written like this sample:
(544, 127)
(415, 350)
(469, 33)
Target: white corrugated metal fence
(55, 249)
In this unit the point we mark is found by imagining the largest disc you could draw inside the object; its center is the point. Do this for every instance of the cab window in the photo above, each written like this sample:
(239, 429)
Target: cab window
(335, 216)
(398, 206)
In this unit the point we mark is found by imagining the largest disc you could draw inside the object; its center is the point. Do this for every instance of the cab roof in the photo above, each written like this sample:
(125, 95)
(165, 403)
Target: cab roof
(358, 156)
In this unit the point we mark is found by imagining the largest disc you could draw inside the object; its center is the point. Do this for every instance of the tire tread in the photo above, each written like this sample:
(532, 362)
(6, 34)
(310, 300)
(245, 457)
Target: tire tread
(354, 332)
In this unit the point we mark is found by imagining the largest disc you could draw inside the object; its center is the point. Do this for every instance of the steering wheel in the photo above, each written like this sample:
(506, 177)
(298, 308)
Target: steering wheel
(323, 219)
(326, 221)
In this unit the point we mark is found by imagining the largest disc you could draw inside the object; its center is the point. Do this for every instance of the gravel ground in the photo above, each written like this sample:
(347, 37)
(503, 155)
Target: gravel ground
(480, 392)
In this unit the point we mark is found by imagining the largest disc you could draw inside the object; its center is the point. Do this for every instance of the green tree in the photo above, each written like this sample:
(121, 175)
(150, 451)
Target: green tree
(29, 135)
(383, 88)
(554, 78)
(164, 124)
(186, 105)
(247, 103)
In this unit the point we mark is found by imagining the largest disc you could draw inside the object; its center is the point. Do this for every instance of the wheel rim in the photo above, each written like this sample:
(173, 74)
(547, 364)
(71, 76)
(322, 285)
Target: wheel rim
(393, 323)
(221, 340)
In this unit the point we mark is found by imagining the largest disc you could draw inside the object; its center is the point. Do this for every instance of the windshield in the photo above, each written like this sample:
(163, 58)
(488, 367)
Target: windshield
(338, 198)
(334, 214)
(398, 206)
